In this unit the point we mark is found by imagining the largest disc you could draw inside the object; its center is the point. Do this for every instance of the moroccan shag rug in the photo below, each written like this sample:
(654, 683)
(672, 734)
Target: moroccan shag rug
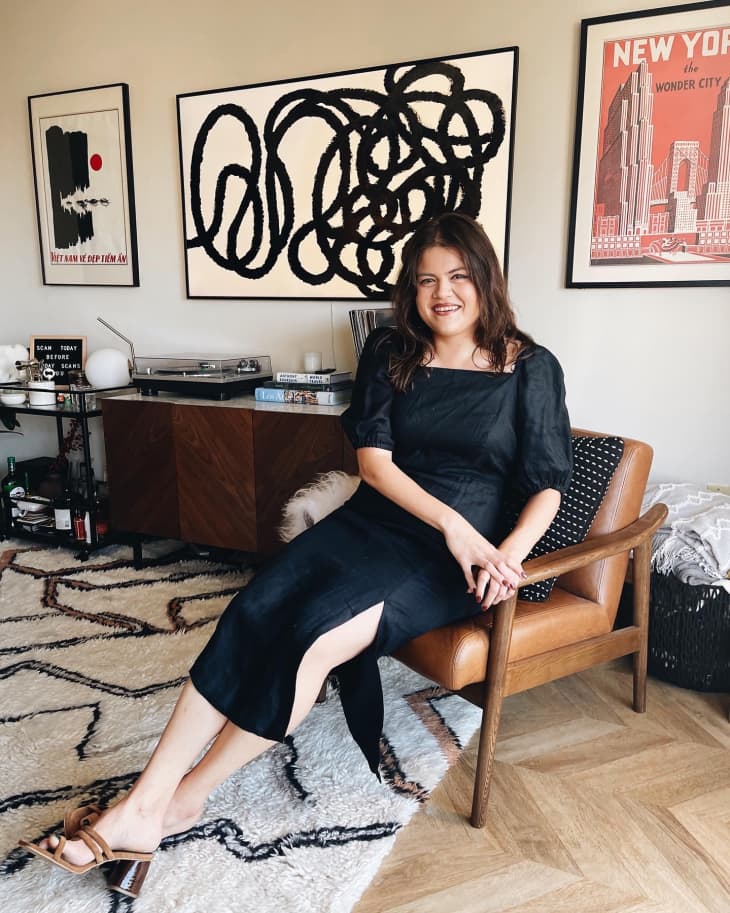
(92, 657)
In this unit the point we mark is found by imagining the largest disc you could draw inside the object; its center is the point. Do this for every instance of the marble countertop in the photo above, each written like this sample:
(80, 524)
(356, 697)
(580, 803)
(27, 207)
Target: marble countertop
(235, 402)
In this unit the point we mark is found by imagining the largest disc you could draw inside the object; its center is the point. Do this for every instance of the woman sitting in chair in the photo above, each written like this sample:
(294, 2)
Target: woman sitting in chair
(449, 409)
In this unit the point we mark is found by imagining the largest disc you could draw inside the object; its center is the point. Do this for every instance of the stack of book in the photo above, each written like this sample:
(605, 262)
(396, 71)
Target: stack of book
(322, 388)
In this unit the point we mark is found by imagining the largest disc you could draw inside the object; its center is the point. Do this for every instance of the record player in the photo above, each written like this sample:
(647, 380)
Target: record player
(211, 376)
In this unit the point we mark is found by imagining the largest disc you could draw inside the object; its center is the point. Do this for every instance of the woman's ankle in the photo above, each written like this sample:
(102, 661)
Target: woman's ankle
(137, 806)
(185, 808)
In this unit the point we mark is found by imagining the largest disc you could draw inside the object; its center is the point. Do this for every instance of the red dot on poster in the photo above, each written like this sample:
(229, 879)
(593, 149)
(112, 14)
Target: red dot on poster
(95, 161)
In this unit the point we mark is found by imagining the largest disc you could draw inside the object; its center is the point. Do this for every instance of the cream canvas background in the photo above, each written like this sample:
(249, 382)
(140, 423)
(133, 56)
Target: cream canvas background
(650, 363)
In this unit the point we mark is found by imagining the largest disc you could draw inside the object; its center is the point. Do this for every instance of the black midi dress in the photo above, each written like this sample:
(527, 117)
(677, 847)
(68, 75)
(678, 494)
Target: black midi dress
(464, 436)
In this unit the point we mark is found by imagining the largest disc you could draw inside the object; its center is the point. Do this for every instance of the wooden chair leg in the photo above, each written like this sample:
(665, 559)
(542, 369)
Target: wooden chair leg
(500, 639)
(641, 583)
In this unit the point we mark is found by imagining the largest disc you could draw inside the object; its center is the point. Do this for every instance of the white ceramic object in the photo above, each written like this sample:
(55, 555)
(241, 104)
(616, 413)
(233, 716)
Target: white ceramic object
(107, 368)
(8, 356)
(12, 397)
(43, 396)
(312, 362)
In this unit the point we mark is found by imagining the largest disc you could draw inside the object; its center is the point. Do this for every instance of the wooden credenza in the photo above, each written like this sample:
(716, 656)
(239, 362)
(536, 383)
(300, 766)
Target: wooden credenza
(214, 473)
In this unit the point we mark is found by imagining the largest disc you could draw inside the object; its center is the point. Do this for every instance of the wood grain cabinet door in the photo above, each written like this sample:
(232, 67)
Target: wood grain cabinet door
(215, 475)
(290, 449)
(140, 460)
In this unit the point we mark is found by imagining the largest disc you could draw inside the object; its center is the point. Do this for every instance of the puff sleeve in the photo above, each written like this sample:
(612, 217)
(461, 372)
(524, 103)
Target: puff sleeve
(367, 420)
(545, 453)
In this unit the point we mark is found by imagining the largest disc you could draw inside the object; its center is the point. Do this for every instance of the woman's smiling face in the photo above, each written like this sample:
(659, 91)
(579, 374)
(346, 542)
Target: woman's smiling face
(446, 298)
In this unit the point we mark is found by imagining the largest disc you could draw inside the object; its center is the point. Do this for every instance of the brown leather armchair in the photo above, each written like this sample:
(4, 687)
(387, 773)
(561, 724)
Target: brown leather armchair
(517, 644)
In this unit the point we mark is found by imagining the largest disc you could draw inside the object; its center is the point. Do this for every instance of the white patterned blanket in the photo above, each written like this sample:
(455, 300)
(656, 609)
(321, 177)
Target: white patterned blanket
(694, 542)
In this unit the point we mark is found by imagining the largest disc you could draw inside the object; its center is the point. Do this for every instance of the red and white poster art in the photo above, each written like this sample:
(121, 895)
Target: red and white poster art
(651, 201)
(82, 164)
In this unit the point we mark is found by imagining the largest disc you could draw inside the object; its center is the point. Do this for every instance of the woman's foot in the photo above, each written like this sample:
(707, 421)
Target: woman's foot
(180, 816)
(125, 826)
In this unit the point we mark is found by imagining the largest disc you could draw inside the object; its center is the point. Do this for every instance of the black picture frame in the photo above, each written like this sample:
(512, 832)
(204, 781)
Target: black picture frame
(84, 186)
(307, 188)
(650, 202)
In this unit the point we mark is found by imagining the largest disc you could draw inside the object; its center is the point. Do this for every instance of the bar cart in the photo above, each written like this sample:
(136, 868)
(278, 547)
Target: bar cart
(34, 398)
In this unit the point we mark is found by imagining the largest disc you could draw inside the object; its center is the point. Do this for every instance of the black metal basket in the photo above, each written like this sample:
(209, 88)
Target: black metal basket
(689, 634)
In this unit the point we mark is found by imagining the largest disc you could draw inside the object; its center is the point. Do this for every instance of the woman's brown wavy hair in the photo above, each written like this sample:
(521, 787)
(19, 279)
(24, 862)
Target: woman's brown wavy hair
(496, 327)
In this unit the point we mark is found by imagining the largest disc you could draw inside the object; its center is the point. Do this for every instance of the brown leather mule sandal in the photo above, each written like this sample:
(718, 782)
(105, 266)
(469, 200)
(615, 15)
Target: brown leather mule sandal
(125, 876)
(74, 819)
(103, 854)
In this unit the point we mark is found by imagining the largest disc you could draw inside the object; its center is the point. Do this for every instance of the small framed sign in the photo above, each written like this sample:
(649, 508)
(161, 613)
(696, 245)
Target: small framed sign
(62, 353)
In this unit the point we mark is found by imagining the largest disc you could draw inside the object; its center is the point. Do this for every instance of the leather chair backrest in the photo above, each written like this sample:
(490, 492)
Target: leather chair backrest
(602, 581)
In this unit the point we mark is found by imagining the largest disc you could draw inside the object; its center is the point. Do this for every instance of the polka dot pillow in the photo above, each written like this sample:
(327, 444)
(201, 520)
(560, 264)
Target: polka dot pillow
(594, 462)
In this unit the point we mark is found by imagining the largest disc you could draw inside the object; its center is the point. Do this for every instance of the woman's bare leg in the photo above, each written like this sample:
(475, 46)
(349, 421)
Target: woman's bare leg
(194, 722)
(234, 748)
(168, 797)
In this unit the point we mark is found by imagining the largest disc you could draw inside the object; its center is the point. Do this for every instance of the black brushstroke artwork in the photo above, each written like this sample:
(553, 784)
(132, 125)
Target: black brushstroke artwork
(383, 173)
(68, 174)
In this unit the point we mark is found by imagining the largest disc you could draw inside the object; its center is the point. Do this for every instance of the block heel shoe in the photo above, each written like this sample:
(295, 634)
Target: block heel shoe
(127, 876)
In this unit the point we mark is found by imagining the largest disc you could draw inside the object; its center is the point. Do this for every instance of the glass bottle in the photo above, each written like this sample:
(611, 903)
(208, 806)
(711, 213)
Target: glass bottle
(87, 496)
(102, 517)
(62, 512)
(13, 491)
(78, 522)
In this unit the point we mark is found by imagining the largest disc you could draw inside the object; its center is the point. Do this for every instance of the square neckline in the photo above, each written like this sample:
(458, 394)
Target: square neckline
(470, 370)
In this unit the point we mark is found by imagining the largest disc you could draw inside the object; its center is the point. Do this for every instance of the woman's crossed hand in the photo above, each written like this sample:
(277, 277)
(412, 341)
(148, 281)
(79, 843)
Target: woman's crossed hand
(490, 574)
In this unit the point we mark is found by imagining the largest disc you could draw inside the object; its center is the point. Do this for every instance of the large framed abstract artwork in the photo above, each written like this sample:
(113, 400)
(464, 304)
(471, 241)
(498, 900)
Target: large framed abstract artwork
(308, 188)
(82, 165)
(651, 170)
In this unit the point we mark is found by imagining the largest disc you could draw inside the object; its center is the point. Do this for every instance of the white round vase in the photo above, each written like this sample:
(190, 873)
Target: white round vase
(107, 368)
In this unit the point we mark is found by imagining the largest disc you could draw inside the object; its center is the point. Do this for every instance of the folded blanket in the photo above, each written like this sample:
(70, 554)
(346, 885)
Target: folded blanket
(694, 542)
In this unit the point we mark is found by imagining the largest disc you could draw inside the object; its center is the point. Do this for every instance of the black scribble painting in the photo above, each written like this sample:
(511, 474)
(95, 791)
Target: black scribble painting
(313, 193)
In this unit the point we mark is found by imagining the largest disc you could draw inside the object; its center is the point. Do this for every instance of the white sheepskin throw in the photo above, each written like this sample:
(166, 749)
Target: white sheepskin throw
(308, 505)
(8, 356)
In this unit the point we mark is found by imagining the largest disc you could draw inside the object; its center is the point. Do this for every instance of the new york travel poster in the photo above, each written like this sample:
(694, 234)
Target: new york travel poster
(651, 178)
(662, 188)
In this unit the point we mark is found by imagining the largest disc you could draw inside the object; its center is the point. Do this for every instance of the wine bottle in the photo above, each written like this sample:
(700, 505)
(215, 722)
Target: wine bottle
(102, 518)
(78, 522)
(62, 512)
(13, 491)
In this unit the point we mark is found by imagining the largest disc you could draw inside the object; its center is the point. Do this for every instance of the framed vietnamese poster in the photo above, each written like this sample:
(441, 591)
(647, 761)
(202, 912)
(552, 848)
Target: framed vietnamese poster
(651, 171)
(84, 186)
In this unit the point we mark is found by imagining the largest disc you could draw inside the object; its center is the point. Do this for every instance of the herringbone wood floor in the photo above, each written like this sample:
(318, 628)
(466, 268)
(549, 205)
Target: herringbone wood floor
(593, 809)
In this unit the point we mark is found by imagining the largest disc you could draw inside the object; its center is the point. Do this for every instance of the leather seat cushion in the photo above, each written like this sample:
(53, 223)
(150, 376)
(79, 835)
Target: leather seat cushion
(456, 655)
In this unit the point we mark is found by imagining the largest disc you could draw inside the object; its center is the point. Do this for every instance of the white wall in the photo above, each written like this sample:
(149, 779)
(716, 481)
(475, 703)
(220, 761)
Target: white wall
(649, 363)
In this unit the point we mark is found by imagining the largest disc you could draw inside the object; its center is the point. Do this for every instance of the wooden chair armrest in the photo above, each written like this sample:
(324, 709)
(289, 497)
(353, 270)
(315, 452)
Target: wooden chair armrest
(636, 535)
(574, 556)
